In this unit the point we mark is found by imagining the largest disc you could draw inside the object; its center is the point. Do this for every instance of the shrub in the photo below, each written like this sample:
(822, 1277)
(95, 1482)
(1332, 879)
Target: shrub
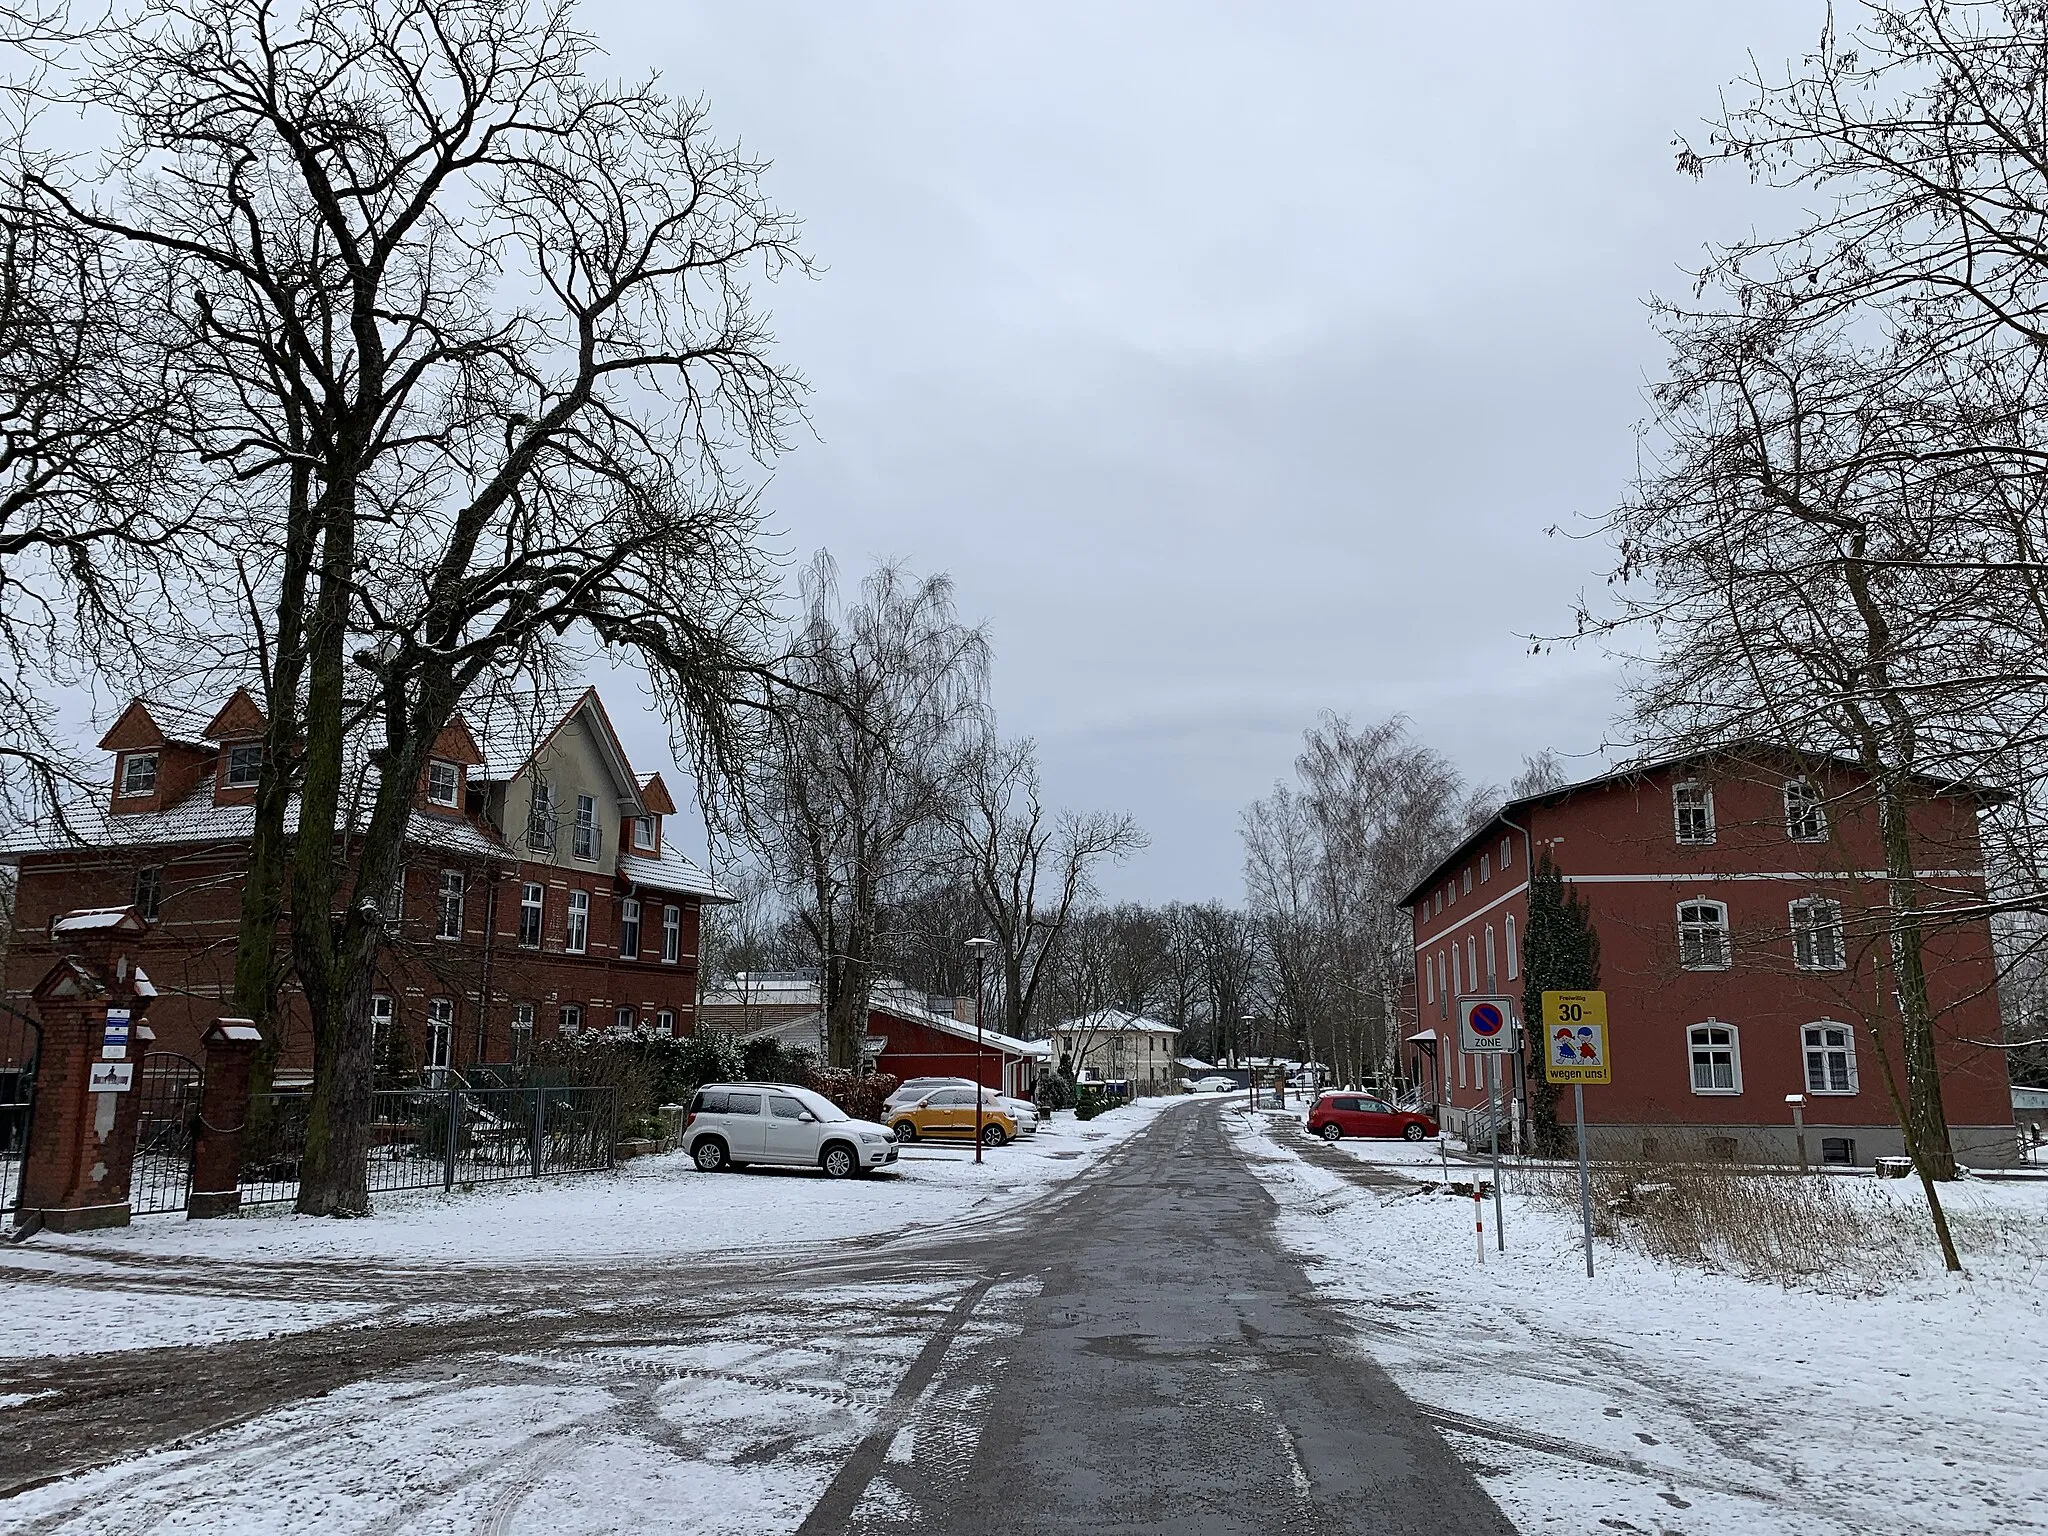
(859, 1095)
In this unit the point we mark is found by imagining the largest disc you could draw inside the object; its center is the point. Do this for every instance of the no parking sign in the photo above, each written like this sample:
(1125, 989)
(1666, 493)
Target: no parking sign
(1485, 1024)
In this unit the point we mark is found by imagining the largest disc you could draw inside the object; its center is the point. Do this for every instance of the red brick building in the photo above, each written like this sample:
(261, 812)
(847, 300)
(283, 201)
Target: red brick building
(906, 1037)
(539, 894)
(1740, 904)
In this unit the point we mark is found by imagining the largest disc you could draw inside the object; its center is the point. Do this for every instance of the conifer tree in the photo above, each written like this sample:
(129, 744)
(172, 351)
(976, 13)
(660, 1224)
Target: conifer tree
(1560, 953)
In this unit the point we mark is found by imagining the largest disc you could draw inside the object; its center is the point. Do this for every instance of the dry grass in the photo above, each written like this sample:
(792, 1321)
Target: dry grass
(1816, 1230)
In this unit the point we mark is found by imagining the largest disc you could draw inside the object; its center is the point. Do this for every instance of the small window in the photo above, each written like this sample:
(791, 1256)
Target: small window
(444, 783)
(1830, 1058)
(1806, 819)
(586, 839)
(671, 935)
(383, 1009)
(522, 1034)
(1491, 972)
(149, 891)
(1514, 950)
(532, 909)
(644, 835)
(629, 929)
(665, 1021)
(1485, 868)
(1840, 1151)
(1471, 963)
(1817, 935)
(1428, 980)
(1507, 854)
(540, 817)
(1692, 812)
(440, 1035)
(138, 773)
(245, 766)
(394, 899)
(1703, 936)
(450, 905)
(1716, 1058)
(622, 1018)
(569, 1018)
(579, 922)
(1468, 878)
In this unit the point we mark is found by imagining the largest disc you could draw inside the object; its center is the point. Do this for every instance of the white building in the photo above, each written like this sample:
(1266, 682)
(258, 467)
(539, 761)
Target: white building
(1113, 1046)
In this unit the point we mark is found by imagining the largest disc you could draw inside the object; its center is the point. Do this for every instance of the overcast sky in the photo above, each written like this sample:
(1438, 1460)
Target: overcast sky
(1233, 358)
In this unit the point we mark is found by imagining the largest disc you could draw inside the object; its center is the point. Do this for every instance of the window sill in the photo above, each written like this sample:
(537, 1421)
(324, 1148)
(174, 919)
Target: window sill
(1723, 966)
(1831, 1093)
(1717, 1093)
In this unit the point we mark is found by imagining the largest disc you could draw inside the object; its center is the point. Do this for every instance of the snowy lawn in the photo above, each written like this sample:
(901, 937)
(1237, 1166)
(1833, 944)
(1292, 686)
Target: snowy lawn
(166, 1280)
(1659, 1397)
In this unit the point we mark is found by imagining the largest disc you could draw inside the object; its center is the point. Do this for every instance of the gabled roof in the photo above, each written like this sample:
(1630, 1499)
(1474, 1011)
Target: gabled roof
(456, 745)
(1116, 1021)
(241, 716)
(516, 730)
(655, 796)
(148, 723)
(671, 871)
(197, 820)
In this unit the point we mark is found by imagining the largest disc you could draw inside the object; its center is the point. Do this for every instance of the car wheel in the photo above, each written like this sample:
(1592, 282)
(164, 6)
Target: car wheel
(993, 1136)
(1332, 1131)
(838, 1161)
(906, 1130)
(1413, 1132)
(709, 1154)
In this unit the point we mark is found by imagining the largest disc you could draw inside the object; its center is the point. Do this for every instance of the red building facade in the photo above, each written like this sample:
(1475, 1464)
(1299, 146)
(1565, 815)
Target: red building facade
(1741, 907)
(538, 895)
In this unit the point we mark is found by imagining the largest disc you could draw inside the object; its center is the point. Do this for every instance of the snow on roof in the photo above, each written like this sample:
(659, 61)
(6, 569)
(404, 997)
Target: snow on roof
(670, 871)
(1116, 1021)
(196, 819)
(96, 920)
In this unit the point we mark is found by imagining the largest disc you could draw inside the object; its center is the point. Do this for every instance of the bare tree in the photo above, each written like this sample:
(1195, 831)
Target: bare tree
(473, 332)
(884, 699)
(1027, 866)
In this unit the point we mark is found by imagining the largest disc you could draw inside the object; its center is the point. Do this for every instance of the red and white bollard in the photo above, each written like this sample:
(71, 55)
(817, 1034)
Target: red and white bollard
(1479, 1223)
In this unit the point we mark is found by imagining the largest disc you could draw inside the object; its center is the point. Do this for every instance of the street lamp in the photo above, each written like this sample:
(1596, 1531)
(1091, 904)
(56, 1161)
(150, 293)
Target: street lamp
(979, 948)
(1251, 1073)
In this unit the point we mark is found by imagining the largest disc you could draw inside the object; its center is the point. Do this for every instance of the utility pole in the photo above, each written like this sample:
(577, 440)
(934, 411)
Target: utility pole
(978, 948)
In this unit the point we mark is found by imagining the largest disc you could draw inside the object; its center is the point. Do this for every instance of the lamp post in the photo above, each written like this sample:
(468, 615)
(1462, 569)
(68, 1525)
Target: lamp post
(1251, 1073)
(979, 948)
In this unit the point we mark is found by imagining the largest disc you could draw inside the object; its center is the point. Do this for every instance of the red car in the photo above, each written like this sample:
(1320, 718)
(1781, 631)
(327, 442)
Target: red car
(1355, 1114)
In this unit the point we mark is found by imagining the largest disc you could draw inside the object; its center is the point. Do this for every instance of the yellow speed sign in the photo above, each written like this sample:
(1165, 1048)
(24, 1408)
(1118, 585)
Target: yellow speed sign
(1575, 1037)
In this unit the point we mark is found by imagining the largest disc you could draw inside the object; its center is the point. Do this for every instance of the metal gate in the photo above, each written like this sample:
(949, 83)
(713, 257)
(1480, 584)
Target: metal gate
(169, 1085)
(21, 1039)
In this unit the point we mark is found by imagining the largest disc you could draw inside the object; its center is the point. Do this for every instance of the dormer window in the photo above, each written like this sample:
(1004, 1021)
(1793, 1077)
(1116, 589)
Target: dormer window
(644, 838)
(244, 766)
(444, 783)
(138, 773)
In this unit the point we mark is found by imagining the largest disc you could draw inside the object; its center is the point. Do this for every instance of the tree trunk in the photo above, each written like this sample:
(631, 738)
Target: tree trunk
(1928, 1137)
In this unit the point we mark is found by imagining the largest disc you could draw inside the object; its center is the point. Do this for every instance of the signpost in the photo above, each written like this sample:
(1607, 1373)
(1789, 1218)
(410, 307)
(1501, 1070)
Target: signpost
(1486, 1025)
(1575, 1052)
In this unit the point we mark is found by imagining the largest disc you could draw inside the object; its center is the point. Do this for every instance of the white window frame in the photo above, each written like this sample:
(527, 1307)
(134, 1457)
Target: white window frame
(394, 900)
(1491, 972)
(449, 905)
(569, 1019)
(1724, 948)
(134, 785)
(1428, 980)
(1813, 1043)
(148, 891)
(629, 929)
(1514, 950)
(623, 1017)
(454, 795)
(383, 1010)
(540, 816)
(1806, 815)
(440, 1036)
(1703, 803)
(522, 1034)
(646, 833)
(1800, 915)
(584, 841)
(665, 1018)
(671, 935)
(1471, 963)
(1468, 879)
(533, 898)
(1507, 854)
(1698, 1037)
(577, 940)
(232, 772)
(1485, 868)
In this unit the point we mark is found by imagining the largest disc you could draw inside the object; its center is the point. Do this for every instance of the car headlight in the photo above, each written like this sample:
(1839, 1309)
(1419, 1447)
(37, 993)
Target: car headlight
(875, 1141)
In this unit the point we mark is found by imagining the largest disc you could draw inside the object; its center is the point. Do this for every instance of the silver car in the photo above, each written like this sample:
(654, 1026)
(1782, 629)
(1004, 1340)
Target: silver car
(733, 1124)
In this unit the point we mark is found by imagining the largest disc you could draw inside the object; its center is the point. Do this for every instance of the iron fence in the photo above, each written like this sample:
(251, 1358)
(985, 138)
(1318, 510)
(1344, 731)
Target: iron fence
(20, 1038)
(168, 1116)
(437, 1138)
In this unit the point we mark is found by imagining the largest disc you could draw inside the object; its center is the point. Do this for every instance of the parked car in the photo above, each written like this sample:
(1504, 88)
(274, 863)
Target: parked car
(733, 1124)
(948, 1114)
(1356, 1114)
(1215, 1085)
(1023, 1111)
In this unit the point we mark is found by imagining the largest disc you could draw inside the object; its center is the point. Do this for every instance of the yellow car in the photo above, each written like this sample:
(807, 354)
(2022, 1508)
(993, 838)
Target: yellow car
(947, 1114)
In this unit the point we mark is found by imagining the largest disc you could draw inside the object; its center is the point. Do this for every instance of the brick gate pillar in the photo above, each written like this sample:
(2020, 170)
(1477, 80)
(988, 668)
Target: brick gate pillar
(81, 1148)
(223, 1113)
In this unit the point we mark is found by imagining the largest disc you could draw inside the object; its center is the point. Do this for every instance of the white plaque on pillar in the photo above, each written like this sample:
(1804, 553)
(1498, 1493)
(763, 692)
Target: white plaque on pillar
(111, 1077)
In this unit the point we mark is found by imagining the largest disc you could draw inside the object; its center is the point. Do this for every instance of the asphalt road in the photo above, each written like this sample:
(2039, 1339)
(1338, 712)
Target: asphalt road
(1134, 1354)
(1173, 1372)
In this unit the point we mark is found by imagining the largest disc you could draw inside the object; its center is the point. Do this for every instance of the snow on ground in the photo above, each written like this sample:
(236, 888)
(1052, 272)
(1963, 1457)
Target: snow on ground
(131, 1287)
(1689, 1401)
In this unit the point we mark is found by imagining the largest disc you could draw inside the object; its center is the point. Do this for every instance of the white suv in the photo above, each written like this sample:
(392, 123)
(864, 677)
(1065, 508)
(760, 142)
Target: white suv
(733, 1124)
